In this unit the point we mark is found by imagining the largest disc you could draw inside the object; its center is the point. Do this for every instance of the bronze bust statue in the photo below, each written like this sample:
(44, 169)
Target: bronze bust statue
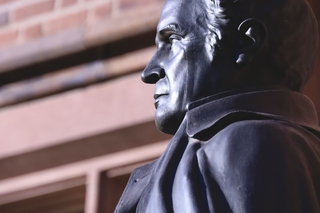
(228, 76)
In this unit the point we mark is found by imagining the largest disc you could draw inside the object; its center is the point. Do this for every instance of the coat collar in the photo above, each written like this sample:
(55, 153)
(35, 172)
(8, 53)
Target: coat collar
(262, 103)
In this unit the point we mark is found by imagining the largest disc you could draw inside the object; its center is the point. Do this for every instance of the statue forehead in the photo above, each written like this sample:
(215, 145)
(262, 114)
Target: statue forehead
(183, 12)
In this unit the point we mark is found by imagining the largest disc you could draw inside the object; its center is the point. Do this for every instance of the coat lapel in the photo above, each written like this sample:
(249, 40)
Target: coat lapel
(137, 182)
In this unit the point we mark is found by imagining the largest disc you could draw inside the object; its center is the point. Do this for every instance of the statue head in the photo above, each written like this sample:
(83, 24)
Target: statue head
(205, 47)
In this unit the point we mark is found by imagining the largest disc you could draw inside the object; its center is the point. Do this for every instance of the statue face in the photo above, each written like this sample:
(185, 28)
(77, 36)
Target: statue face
(187, 65)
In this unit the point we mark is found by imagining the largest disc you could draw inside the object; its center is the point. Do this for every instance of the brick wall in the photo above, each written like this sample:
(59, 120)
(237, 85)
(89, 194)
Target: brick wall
(52, 49)
(25, 20)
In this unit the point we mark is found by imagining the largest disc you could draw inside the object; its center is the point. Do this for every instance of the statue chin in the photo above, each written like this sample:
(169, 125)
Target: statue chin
(167, 123)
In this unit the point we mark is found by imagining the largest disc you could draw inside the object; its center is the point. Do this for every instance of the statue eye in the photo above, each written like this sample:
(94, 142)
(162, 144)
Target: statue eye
(174, 37)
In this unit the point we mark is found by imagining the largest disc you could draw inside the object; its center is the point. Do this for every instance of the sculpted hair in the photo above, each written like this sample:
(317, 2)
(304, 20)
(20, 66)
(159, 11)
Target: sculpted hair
(291, 47)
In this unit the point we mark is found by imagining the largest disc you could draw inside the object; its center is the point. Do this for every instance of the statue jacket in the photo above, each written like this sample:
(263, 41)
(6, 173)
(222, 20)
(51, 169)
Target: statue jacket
(248, 152)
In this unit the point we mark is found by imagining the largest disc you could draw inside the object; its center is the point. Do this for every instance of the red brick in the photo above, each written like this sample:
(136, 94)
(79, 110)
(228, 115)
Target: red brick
(101, 11)
(34, 9)
(124, 4)
(8, 37)
(31, 32)
(66, 21)
(66, 3)
(6, 1)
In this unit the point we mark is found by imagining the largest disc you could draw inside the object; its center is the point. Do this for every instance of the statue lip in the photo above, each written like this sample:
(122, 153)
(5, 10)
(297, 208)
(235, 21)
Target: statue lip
(156, 96)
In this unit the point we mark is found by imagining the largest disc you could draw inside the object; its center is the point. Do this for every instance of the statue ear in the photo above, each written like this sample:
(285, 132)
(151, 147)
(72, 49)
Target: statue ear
(253, 37)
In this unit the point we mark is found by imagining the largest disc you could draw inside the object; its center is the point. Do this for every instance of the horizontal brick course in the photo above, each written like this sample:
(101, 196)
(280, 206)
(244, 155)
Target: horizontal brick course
(31, 32)
(102, 11)
(127, 4)
(7, 1)
(8, 37)
(28, 11)
(66, 3)
(65, 22)
(77, 39)
(35, 19)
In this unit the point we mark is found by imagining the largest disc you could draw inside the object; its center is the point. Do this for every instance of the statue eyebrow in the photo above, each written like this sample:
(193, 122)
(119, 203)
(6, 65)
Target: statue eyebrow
(166, 32)
(169, 28)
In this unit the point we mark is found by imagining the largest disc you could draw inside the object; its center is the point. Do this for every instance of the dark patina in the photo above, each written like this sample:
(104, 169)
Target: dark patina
(228, 76)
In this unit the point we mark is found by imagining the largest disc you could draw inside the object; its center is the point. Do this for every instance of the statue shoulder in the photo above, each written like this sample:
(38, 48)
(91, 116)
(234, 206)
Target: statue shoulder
(266, 134)
(259, 165)
(256, 141)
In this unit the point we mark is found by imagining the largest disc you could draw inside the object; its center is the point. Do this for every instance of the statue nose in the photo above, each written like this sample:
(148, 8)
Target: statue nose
(151, 75)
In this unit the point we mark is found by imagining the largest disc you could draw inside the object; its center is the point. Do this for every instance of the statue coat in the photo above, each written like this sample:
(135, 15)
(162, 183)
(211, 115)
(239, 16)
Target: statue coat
(242, 152)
